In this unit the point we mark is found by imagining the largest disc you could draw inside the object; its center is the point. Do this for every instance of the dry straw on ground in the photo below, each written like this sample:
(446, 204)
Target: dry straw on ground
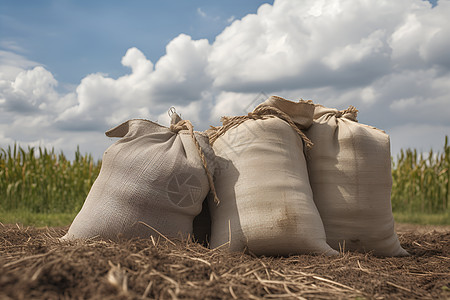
(35, 265)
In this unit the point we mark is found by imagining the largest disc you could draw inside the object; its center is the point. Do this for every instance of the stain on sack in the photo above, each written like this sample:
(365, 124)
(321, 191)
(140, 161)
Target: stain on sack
(287, 220)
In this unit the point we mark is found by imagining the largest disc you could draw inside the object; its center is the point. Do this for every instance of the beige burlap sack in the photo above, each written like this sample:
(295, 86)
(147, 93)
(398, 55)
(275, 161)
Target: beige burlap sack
(266, 204)
(152, 181)
(350, 174)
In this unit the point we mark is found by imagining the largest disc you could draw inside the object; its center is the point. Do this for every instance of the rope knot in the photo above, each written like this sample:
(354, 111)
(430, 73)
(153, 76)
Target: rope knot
(260, 113)
(177, 125)
(350, 113)
(181, 125)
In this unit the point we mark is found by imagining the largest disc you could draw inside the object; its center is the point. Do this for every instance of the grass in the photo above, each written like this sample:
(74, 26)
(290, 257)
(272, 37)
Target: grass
(423, 218)
(28, 218)
(39, 187)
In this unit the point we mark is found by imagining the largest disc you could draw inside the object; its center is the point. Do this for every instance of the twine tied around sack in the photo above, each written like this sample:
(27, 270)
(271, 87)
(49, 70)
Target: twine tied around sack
(350, 113)
(261, 112)
(187, 125)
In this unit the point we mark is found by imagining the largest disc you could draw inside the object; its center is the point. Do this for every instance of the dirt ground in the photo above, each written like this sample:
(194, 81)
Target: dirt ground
(35, 265)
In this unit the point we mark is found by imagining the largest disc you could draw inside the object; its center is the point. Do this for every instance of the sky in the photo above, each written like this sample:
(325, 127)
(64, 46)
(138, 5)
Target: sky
(70, 70)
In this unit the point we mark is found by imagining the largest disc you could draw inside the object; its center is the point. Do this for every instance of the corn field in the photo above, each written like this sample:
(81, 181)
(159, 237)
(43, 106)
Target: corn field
(421, 182)
(38, 180)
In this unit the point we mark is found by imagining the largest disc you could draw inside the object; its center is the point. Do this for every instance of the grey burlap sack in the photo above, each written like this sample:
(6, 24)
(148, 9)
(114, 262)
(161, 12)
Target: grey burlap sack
(266, 204)
(152, 181)
(350, 174)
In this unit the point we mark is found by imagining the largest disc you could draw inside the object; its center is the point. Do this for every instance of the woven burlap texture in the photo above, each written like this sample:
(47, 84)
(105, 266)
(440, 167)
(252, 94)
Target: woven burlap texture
(350, 175)
(262, 182)
(152, 182)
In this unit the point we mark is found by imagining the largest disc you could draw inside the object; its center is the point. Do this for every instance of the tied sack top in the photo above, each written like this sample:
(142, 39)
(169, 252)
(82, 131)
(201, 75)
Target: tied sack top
(266, 203)
(350, 174)
(152, 182)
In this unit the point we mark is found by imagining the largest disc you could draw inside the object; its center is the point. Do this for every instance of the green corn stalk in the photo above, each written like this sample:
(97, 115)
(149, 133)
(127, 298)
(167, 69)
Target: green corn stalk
(39, 180)
(421, 184)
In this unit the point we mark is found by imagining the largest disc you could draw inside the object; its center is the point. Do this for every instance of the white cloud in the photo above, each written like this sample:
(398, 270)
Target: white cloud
(11, 45)
(422, 38)
(12, 64)
(180, 75)
(402, 104)
(178, 78)
(30, 92)
(140, 66)
(201, 12)
(232, 103)
(388, 58)
(320, 43)
(357, 52)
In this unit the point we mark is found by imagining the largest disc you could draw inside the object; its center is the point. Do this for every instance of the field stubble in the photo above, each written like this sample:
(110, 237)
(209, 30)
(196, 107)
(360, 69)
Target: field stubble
(35, 264)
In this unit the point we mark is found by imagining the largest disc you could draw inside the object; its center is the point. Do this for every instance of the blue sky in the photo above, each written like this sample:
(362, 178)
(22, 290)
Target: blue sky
(75, 38)
(70, 70)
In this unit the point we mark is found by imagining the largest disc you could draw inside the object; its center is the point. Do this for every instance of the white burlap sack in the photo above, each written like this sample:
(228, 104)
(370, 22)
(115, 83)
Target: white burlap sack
(153, 175)
(350, 174)
(266, 204)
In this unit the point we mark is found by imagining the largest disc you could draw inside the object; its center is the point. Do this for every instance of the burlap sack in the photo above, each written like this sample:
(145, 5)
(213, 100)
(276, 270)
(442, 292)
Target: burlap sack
(350, 174)
(152, 181)
(266, 204)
